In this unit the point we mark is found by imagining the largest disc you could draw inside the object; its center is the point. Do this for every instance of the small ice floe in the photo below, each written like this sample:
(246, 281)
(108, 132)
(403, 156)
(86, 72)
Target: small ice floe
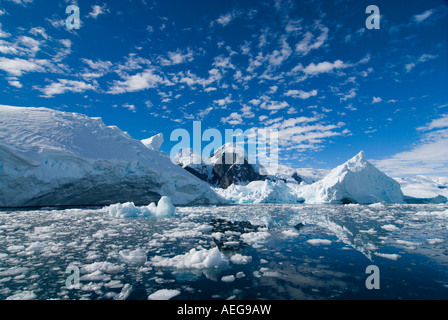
(240, 259)
(229, 278)
(24, 295)
(318, 242)
(164, 208)
(370, 231)
(164, 294)
(389, 227)
(134, 257)
(196, 259)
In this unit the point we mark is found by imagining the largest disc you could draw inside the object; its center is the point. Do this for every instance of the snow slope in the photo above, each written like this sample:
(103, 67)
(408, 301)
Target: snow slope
(50, 157)
(356, 181)
(424, 186)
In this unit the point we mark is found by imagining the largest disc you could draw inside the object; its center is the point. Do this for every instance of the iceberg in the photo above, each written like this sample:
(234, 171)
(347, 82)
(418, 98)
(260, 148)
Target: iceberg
(55, 158)
(194, 259)
(262, 192)
(164, 208)
(154, 142)
(356, 181)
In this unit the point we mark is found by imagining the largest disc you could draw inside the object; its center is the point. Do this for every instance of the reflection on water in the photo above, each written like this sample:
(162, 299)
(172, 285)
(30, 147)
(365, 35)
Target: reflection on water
(270, 252)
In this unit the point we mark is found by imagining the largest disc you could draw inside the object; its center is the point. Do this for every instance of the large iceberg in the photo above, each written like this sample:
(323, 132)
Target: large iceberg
(50, 158)
(356, 181)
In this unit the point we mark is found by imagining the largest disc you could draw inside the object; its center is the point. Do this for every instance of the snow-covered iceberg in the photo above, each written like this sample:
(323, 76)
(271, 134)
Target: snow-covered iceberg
(424, 189)
(50, 157)
(154, 142)
(356, 181)
(164, 208)
(262, 192)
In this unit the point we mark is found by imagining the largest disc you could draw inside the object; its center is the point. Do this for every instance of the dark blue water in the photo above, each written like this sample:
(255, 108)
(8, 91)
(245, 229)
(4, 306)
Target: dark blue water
(295, 252)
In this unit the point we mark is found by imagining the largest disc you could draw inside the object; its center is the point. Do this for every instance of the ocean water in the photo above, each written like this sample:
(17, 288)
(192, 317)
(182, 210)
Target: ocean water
(271, 251)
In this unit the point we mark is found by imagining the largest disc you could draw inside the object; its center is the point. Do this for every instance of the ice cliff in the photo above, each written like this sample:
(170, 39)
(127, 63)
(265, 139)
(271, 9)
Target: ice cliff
(50, 158)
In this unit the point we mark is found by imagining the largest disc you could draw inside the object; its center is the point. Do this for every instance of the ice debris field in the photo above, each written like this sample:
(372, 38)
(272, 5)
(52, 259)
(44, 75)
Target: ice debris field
(263, 251)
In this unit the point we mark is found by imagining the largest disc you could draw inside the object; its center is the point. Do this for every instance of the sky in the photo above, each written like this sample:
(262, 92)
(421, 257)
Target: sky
(310, 69)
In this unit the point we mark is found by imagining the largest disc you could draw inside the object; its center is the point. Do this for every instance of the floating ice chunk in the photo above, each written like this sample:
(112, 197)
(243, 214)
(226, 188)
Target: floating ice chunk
(254, 238)
(36, 246)
(390, 256)
(125, 210)
(240, 259)
(164, 294)
(24, 295)
(106, 267)
(164, 208)
(95, 276)
(125, 292)
(370, 231)
(15, 249)
(318, 242)
(230, 278)
(389, 227)
(137, 256)
(201, 259)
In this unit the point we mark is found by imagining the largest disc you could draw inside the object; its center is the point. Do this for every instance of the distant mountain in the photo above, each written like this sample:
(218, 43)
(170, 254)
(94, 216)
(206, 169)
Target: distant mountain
(54, 158)
(228, 165)
(356, 181)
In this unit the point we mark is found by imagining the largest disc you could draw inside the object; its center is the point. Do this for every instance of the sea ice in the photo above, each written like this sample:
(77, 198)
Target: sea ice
(164, 294)
(196, 259)
(164, 208)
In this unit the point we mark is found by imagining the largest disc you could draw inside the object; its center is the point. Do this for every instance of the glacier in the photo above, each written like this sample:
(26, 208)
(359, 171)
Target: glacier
(55, 158)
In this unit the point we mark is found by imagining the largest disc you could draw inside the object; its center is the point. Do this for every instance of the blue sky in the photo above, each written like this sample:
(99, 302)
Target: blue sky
(310, 69)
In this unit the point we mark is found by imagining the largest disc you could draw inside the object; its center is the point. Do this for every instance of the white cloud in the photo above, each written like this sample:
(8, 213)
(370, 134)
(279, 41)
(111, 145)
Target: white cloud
(436, 124)
(301, 94)
(227, 18)
(234, 119)
(97, 10)
(22, 2)
(39, 31)
(4, 34)
(274, 105)
(176, 57)
(203, 113)
(138, 82)
(376, 100)
(224, 102)
(130, 107)
(17, 67)
(277, 57)
(310, 42)
(63, 85)
(322, 67)
(13, 81)
(303, 133)
(423, 16)
(429, 156)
